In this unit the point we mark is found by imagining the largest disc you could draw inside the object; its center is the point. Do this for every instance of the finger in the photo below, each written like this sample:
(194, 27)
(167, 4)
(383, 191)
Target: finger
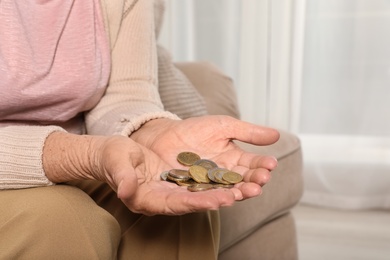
(179, 200)
(187, 202)
(258, 176)
(211, 199)
(253, 161)
(249, 190)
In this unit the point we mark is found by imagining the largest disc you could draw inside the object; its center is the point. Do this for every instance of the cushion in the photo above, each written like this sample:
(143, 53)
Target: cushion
(177, 93)
(216, 88)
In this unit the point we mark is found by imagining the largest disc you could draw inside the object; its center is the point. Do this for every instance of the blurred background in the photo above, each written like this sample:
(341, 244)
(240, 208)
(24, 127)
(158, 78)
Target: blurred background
(320, 69)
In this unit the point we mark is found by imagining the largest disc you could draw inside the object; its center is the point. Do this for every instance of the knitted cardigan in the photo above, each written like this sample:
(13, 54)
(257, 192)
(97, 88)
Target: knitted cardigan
(142, 81)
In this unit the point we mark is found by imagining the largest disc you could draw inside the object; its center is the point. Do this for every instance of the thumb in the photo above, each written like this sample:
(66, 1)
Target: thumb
(126, 185)
(251, 133)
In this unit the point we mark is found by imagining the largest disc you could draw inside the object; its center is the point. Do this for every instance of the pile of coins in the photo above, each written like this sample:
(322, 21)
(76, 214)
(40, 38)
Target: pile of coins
(201, 175)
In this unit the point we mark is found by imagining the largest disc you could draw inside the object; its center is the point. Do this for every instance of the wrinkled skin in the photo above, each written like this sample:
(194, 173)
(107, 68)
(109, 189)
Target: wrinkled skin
(159, 142)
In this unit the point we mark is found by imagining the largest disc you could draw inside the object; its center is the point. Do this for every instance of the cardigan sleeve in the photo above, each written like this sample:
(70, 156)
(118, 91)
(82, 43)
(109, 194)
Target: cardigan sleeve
(21, 150)
(132, 96)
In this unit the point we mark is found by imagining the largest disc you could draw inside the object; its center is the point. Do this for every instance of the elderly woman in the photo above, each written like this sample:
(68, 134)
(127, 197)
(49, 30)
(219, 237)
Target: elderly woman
(84, 137)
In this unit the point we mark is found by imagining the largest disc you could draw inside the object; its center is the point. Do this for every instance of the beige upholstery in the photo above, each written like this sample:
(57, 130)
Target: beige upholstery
(261, 227)
(215, 87)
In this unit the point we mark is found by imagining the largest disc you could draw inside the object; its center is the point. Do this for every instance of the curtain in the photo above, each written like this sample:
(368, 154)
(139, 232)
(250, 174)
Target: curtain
(318, 68)
(345, 104)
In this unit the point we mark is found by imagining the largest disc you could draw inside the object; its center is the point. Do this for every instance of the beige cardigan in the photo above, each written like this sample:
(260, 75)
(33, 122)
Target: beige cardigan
(143, 78)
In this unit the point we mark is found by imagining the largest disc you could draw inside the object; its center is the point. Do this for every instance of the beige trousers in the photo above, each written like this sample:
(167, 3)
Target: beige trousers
(85, 220)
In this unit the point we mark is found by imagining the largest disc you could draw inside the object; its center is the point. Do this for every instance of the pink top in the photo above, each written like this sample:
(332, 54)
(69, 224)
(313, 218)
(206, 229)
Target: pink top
(53, 72)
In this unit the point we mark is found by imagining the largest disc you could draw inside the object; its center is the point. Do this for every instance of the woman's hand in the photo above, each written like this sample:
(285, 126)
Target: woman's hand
(132, 170)
(212, 137)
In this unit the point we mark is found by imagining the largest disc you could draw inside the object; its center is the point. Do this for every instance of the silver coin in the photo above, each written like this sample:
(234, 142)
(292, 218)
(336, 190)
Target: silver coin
(218, 175)
(208, 164)
(211, 174)
(179, 174)
(164, 175)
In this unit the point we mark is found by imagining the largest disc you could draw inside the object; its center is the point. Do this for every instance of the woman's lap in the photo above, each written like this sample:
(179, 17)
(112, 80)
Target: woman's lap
(63, 221)
(56, 222)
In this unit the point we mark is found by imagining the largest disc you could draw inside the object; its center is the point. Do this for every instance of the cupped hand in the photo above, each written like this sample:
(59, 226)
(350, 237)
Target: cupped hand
(211, 137)
(133, 171)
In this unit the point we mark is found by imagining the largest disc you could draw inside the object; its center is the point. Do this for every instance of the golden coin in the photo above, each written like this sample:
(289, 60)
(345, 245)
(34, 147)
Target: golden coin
(200, 187)
(199, 174)
(218, 175)
(179, 174)
(187, 158)
(232, 177)
(208, 164)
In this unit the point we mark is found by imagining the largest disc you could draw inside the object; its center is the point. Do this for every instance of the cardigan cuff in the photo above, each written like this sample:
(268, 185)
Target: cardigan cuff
(21, 149)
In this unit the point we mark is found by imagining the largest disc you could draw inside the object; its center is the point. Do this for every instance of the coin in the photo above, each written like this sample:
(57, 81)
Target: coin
(199, 174)
(202, 174)
(187, 158)
(222, 186)
(232, 177)
(164, 175)
(186, 182)
(200, 187)
(208, 164)
(171, 178)
(210, 174)
(218, 175)
(179, 174)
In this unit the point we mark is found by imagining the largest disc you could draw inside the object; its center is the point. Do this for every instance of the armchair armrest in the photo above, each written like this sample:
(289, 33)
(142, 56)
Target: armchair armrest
(261, 227)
